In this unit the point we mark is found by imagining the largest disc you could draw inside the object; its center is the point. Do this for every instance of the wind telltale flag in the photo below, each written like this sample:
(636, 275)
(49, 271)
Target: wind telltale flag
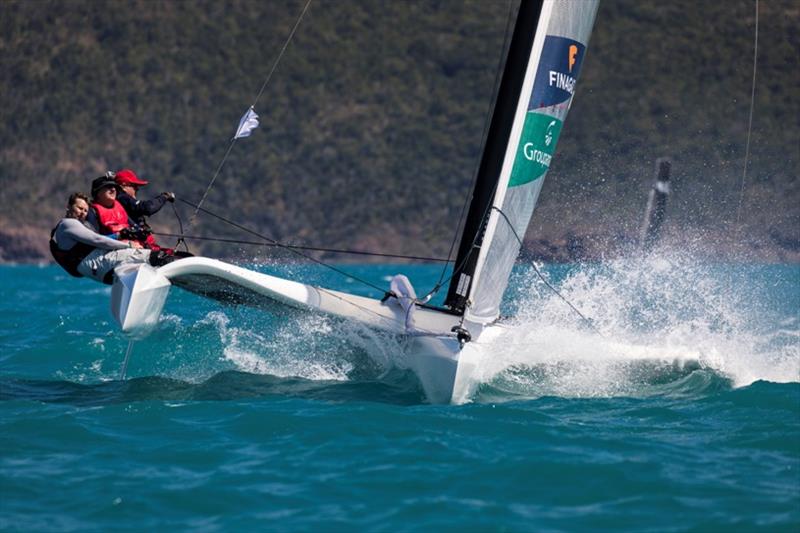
(247, 124)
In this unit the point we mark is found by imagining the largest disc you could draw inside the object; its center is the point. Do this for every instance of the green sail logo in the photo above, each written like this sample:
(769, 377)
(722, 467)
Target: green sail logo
(536, 146)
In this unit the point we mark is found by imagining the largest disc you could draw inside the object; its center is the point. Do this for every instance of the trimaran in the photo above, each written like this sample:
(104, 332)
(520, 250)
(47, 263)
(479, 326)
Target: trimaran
(443, 346)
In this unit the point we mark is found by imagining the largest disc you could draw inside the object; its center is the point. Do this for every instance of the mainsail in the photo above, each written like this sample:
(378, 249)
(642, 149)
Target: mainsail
(535, 94)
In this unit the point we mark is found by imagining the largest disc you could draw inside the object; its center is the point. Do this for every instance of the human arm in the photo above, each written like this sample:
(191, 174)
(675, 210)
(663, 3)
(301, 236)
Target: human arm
(71, 231)
(138, 208)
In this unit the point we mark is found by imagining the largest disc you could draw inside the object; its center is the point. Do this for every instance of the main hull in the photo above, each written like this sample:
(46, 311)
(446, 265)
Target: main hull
(445, 365)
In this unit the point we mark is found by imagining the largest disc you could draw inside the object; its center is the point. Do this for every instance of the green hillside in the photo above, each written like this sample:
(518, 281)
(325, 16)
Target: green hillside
(372, 123)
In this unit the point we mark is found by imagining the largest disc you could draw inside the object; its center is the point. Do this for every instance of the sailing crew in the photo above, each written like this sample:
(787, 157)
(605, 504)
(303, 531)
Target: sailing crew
(128, 184)
(83, 252)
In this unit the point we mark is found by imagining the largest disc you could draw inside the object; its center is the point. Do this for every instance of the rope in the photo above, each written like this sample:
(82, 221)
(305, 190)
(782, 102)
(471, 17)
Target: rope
(294, 249)
(484, 218)
(586, 319)
(272, 242)
(298, 247)
(749, 122)
(260, 92)
(486, 122)
(211, 183)
(417, 330)
(457, 269)
(280, 54)
(281, 245)
(180, 228)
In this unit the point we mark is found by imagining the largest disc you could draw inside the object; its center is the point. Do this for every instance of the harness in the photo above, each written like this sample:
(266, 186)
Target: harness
(69, 259)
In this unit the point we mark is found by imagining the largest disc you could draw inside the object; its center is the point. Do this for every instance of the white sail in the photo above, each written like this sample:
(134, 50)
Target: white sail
(554, 64)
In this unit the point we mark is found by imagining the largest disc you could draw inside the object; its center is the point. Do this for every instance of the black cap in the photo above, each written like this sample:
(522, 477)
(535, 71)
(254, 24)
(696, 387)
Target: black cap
(99, 183)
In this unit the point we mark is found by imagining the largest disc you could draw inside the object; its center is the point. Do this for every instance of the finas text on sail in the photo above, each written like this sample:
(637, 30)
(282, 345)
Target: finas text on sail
(562, 81)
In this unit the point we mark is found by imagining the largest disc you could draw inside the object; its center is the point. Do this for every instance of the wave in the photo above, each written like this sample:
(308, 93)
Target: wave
(394, 387)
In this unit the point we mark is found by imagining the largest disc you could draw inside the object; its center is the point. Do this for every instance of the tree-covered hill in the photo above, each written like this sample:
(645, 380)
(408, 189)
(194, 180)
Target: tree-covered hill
(372, 123)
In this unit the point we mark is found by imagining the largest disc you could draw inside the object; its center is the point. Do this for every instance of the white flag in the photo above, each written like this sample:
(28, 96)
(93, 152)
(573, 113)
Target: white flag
(247, 124)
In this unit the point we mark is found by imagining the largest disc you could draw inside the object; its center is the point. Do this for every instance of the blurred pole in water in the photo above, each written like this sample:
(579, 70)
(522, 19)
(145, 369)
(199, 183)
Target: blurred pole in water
(125, 362)
(656, 211)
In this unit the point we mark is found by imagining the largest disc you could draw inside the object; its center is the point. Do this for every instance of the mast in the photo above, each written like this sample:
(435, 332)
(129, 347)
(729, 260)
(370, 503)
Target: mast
(508, 94)
(543, 64)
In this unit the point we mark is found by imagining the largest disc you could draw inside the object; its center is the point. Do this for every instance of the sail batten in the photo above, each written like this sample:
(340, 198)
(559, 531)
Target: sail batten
(515, 161)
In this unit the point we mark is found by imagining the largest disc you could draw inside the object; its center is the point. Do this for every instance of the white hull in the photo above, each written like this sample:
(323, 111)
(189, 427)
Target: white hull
(445, 366)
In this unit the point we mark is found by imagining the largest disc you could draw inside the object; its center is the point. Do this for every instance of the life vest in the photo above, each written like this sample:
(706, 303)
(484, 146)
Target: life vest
(69, 259)
(111, 219)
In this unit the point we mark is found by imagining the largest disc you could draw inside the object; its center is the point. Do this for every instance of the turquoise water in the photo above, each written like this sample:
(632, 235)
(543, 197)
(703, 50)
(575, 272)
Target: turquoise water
(680, 413)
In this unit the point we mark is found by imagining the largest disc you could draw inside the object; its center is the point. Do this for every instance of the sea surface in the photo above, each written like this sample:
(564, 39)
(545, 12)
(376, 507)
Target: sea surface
(675, 407)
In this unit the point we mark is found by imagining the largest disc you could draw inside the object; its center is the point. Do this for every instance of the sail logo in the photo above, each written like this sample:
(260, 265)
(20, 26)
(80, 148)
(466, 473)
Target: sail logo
(532, 153)
(573, 51)
(562, 81)
(559, 67)
(548, 136)
(536, 146)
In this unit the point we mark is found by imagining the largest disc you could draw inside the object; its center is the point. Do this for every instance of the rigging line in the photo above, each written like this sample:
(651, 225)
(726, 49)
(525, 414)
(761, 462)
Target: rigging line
(281, 245)
(460, 266)
(486, 122)
(260, 92)
(749, 123)
(280, 54)
(479, 233)
(180, 228)
(473, 245)
(588, 321)
(388, 320)
(211, 183)
(456, 269)
(298, 247)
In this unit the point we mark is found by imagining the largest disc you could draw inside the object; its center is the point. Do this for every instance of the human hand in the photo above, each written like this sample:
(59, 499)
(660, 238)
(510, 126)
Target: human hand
(136, 244)
(135, 233)
(170, 196)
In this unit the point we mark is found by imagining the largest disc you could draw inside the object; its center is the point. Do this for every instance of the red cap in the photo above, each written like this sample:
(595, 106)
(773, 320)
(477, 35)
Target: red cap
(127, 176)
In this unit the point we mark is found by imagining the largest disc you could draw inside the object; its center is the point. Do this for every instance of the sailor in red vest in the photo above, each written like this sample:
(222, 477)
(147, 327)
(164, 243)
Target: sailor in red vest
(108, 216)
(129, 184)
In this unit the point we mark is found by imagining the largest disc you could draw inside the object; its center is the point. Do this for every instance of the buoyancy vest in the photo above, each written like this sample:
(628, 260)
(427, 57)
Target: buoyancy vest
(111, 219)
(69, 259)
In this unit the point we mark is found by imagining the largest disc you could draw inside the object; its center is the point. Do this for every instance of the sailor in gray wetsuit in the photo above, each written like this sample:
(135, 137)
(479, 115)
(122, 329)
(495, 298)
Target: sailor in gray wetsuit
(83, 252)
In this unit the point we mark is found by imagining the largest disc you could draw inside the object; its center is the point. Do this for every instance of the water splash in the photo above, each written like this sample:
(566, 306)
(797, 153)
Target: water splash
(300, 345)
(658, 319)
(667, 324)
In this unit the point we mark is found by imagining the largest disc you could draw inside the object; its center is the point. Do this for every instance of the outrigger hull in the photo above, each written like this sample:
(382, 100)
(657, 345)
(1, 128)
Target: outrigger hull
(445, 366)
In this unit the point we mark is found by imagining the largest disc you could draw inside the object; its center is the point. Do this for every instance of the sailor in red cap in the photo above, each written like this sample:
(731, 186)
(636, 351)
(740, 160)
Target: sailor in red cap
(129, 183)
